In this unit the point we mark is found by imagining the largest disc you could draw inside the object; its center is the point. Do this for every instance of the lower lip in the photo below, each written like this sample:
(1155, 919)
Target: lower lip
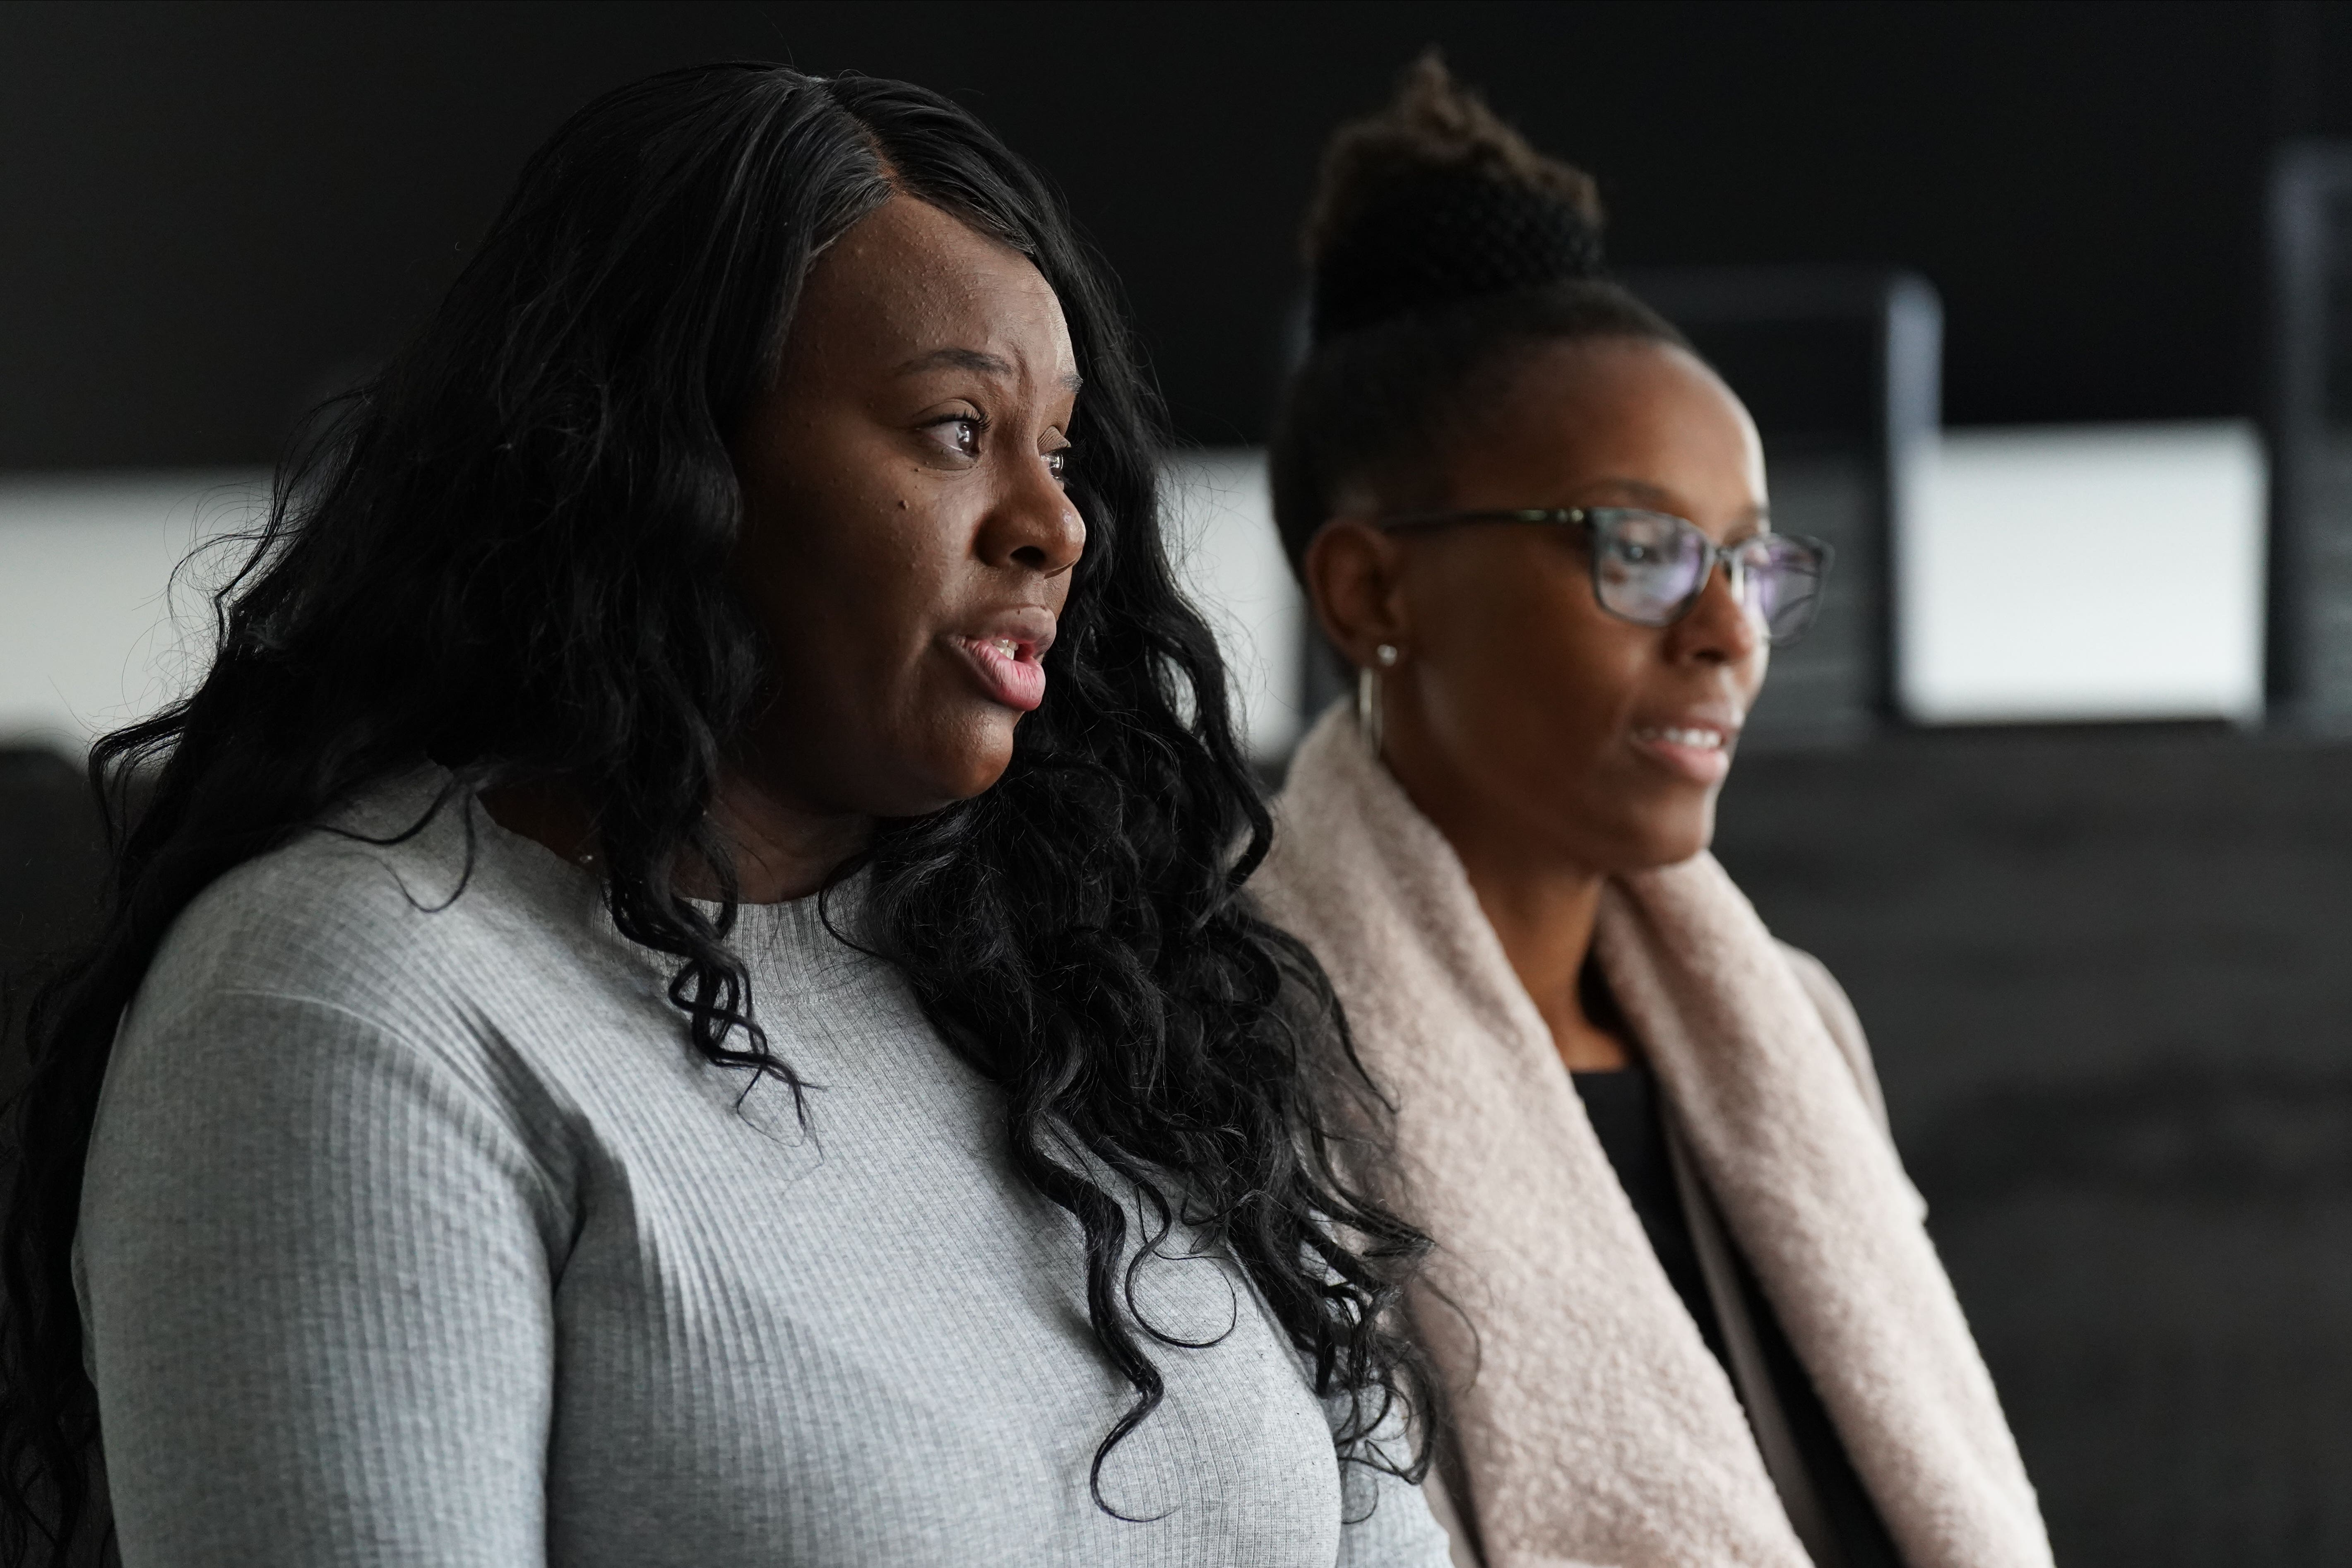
(1700, 764)
(1016, 680)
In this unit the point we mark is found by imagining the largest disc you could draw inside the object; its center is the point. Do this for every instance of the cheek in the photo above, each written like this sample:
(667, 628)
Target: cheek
(1533, 697)
(847, 578)
(856, 564)
(1551, 674)
(850, 586)
(1752, 673)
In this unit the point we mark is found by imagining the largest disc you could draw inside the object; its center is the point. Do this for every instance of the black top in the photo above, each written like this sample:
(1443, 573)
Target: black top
(1624, 1108)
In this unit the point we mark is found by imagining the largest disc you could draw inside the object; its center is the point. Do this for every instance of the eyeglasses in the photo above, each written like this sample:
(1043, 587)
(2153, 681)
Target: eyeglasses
(1650, 568)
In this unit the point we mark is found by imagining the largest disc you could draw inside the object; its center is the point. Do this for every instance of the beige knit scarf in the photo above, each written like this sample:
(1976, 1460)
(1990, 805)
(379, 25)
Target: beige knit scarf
(1595, 1428)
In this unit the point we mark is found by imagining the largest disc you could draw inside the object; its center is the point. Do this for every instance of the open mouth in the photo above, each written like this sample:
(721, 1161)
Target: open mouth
(1696, 739)
(1008, 668)
(1699, 753)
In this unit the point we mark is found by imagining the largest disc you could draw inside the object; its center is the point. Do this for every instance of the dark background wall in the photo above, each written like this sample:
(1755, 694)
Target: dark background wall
(210, 212)
(2105, 973)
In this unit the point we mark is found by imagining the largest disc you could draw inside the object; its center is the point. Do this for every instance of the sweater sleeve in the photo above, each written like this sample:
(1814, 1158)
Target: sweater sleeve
(1387, 1522)
(315, 1257)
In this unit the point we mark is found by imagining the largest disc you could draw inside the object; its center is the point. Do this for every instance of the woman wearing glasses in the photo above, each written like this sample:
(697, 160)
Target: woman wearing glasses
(1683, 1294)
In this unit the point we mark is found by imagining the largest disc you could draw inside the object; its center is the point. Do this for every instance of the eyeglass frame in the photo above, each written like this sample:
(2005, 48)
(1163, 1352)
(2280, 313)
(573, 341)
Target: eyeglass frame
(1586, 518)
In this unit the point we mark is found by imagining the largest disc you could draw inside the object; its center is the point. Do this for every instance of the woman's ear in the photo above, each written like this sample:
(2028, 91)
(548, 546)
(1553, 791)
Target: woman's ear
(1354, 575)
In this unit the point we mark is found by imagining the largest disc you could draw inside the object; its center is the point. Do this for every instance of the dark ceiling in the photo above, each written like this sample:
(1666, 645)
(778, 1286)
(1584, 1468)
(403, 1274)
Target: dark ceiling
(210, 211)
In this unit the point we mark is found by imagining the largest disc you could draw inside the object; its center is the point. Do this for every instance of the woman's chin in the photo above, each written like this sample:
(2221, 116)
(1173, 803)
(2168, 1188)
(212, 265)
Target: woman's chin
(969, 763)
(1654, 842)
(1679, 842)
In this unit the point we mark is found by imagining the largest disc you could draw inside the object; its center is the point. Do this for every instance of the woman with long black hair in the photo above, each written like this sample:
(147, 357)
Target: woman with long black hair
(679, 993)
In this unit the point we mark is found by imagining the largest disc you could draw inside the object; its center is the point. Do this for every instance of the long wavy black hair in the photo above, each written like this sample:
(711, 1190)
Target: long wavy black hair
(509, 554)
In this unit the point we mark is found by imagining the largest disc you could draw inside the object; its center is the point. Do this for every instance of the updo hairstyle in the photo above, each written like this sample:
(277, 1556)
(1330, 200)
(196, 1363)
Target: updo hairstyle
(1443, 249)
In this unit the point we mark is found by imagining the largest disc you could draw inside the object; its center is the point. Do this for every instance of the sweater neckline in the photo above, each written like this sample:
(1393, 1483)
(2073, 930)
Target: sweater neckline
(815, 926)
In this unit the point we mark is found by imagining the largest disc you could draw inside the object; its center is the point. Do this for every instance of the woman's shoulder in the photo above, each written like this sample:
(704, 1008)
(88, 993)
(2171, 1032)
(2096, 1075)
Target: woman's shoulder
(1844, 1025)
(396, 900)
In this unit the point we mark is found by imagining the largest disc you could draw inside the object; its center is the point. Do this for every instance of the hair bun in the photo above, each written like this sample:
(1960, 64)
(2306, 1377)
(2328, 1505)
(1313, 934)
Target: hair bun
(1436, 200)
(1442, 237)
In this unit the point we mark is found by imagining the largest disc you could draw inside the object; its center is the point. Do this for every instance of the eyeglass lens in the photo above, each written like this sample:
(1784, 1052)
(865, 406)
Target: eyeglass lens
(1648, 567)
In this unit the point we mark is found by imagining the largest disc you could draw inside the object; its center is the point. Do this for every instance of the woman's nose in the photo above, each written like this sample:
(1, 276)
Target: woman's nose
(1719, 628)
(1035, 524)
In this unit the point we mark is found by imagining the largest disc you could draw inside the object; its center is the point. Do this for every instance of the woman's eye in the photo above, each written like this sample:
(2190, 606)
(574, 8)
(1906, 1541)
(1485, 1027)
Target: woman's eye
(1057, 463)
(960, 432)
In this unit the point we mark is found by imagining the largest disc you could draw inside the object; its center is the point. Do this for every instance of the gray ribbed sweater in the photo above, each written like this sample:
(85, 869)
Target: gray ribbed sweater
(417, 1235)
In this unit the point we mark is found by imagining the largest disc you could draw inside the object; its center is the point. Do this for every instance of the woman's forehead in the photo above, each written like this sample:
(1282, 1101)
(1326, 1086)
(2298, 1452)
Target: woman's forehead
(909, 280)
(1647, 423)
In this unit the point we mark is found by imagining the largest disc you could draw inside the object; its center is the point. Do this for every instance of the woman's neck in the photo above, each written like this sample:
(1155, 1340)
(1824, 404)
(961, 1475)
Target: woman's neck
(1544, 917)
(1543, 911)
(782, 849)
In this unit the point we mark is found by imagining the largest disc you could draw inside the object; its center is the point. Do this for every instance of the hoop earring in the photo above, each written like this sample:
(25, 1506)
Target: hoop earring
(1368, 695)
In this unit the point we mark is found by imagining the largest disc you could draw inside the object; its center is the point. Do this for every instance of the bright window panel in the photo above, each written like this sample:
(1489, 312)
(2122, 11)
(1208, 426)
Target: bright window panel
(2085, 573)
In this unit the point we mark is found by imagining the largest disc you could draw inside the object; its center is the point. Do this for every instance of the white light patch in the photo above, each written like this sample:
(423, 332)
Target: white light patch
(94, 633)
(2085, 573)
(1230, 559)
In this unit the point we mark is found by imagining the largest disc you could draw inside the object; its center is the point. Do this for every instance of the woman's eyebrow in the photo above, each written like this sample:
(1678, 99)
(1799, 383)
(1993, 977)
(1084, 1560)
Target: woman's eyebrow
(980, 361)
(1648, 493)
(960, 359)
(1651, 494)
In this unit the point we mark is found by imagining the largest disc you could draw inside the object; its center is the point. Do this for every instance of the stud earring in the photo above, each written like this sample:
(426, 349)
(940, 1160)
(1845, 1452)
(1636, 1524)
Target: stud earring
(1387, 654)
